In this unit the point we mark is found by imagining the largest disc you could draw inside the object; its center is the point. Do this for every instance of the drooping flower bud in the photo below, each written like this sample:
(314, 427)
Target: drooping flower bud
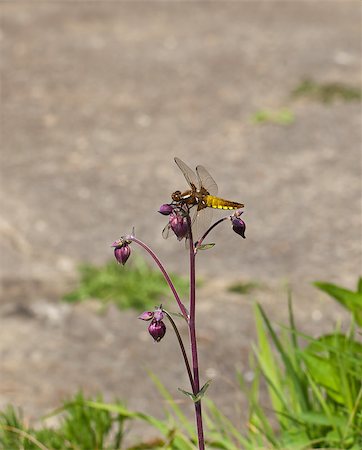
(122, 253)
(239, 226)
(158, 314)
(238, 212)
(147, 315)
(157, 330)
(178, 224)
(166, 209)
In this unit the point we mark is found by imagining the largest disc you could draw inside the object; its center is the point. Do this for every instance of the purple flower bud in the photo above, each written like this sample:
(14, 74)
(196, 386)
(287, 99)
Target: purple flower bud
(158, 315)
(122, 253)
(239, 226)
(147, 315)
(157, 330)
(118, 243)
(238, 213)
(178, 224)
(166, 209)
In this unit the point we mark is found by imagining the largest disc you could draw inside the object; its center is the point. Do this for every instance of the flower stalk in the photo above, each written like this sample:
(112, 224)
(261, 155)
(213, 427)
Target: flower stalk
(164, 273)
(180, 224)
(193, 340)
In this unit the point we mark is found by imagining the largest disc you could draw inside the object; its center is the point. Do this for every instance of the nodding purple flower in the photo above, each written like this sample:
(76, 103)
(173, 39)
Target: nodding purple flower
(122, 250)
(157, 330)
(238, 226)
(147, 315)
(178, 224)
(158, 314)
(166, 209)
(237, 213)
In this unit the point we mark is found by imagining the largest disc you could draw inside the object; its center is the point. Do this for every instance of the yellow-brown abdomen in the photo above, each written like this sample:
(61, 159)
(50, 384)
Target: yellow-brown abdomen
(220, 203)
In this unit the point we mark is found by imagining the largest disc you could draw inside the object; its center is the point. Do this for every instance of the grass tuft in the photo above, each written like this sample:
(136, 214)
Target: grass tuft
(243, 288)
(278, 117)
(135, 286)
(326, 92)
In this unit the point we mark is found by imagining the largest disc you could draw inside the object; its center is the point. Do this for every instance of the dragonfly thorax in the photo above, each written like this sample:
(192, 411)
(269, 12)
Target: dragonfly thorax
(191, 198)
(183, 197)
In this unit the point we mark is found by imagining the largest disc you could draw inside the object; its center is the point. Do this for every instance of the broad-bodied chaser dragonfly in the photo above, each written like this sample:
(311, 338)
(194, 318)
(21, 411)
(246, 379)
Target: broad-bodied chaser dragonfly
(200, 199)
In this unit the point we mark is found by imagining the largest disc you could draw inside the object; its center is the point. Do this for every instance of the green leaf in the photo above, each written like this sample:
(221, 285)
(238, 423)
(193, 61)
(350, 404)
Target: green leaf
(359, 285)
(296, 439)
(337, 342)
(324, 372)
(188, 394)
(349, 299)
(196, 398)
(335, 362)
(203, 390)
(205, 246)
(318, 418)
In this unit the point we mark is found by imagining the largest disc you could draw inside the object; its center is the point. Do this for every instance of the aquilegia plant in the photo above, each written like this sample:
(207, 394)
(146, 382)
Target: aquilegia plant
(188, 218)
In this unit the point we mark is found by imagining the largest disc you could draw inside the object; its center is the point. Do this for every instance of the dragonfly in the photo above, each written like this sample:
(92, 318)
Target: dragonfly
(200, 199)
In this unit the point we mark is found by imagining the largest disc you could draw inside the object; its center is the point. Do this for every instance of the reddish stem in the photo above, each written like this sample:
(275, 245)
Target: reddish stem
(164, 273)
(193, 340)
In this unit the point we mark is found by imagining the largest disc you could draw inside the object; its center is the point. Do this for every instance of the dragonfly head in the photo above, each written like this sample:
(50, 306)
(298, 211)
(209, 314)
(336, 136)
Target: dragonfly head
(176, 196)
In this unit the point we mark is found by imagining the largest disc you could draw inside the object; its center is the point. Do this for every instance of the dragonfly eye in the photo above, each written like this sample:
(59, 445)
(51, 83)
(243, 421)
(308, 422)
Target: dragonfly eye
(176, 196)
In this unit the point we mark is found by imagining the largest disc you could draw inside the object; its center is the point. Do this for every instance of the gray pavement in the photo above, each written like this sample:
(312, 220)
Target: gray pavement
(97, 99)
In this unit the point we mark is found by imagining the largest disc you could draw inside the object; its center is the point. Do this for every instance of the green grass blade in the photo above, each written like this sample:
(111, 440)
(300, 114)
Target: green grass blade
(297, 382)
(268, 363)
(291, 373)
(225, 427)
(190, 429)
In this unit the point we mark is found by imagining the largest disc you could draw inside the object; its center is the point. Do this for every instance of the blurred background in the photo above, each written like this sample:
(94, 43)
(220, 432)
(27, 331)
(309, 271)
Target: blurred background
(97, 99)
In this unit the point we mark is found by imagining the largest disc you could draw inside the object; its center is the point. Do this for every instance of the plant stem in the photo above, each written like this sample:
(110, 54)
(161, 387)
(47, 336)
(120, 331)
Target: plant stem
(193, 340)
(164, 273)
(182, 348)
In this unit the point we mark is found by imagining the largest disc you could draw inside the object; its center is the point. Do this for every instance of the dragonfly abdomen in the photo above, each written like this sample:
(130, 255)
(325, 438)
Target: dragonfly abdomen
(220, 203)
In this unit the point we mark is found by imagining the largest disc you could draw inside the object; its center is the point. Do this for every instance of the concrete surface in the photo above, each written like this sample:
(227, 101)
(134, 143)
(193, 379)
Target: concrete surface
(97, 99)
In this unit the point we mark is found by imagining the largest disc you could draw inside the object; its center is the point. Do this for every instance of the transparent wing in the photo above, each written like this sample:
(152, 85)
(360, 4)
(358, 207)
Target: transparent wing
(201, 222)
(166, 231)
(193, 216)
(206, 180)
(189, 174)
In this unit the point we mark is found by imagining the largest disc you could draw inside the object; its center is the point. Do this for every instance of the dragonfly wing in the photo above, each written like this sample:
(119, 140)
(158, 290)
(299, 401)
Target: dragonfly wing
(189, 174)
(206, 180)
(201, 222)
(166, 231)
(193, 217)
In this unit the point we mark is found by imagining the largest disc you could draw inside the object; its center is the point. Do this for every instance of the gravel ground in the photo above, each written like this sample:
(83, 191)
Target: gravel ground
(97, 99)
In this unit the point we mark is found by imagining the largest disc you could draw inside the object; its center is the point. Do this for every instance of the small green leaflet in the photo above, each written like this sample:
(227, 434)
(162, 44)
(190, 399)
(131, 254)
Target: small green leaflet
(196, 398)
(205, 246)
